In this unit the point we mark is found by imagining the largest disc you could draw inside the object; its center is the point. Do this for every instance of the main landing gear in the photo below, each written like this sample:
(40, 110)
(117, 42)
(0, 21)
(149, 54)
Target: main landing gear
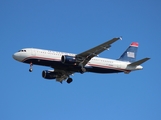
(82, 70)
(30, 70)
(69, 80)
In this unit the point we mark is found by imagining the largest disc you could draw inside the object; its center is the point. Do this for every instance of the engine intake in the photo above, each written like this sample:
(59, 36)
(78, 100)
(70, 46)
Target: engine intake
(48, 74)
(69, 60)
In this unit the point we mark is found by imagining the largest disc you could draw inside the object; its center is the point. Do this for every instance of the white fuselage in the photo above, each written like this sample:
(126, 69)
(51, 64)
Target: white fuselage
(25, 55)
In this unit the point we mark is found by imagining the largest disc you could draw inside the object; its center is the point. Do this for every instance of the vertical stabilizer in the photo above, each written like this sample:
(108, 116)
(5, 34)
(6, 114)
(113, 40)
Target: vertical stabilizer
(130, 53)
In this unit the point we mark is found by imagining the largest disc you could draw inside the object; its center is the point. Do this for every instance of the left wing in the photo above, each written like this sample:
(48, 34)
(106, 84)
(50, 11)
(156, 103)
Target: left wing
(86, 56)
(62, 75)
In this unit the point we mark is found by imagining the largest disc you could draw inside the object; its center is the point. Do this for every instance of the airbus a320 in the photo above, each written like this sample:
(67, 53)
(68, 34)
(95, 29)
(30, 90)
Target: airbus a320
(65, 64)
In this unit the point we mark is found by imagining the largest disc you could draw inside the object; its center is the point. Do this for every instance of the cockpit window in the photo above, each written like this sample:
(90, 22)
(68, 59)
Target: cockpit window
(22, 51)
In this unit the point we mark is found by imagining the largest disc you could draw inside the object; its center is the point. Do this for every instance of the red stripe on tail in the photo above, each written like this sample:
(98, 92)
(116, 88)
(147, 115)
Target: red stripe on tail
(135, 44)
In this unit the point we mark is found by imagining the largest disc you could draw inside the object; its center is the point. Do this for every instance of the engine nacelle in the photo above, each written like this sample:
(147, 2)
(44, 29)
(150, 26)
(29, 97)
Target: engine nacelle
(69, 60)
(48, 74)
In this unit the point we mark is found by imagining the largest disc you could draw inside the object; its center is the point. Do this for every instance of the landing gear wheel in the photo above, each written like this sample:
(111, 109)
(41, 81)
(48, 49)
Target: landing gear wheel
(82, 70)
(69, 80)
(30, 70)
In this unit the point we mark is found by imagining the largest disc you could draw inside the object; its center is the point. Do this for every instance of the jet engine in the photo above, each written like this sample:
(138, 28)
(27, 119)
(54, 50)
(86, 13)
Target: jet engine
(68, 60)
(49, 74)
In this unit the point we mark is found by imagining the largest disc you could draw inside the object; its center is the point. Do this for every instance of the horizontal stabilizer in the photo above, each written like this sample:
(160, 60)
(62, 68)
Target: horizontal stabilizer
(139, 62)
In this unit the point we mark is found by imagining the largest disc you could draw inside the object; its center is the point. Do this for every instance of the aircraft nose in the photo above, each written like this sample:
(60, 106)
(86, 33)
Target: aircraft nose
(15, 56)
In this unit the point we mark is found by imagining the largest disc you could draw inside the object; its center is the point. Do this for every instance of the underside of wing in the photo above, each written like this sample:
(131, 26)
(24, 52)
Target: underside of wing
(87, 55)
(59, 75)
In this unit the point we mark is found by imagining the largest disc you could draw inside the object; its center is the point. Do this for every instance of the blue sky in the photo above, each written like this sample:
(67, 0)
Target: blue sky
(75, 26)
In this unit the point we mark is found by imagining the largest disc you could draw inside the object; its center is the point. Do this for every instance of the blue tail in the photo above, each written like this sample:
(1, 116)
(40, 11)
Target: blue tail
(130, 53)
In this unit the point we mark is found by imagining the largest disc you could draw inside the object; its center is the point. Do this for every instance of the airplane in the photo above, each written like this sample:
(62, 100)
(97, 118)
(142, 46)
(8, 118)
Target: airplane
(66, 64)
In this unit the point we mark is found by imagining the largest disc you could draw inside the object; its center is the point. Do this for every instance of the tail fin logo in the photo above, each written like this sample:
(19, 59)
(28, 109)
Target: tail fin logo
(131, 54)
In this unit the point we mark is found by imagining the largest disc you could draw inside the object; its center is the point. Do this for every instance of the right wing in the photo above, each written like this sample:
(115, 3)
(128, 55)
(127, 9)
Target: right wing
(86, 56)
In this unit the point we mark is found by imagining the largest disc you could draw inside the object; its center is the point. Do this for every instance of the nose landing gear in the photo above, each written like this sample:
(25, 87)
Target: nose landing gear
(30, 70)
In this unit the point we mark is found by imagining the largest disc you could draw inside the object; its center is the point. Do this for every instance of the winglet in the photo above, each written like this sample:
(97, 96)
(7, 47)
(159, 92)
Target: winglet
(139, 62)
(120, 37)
